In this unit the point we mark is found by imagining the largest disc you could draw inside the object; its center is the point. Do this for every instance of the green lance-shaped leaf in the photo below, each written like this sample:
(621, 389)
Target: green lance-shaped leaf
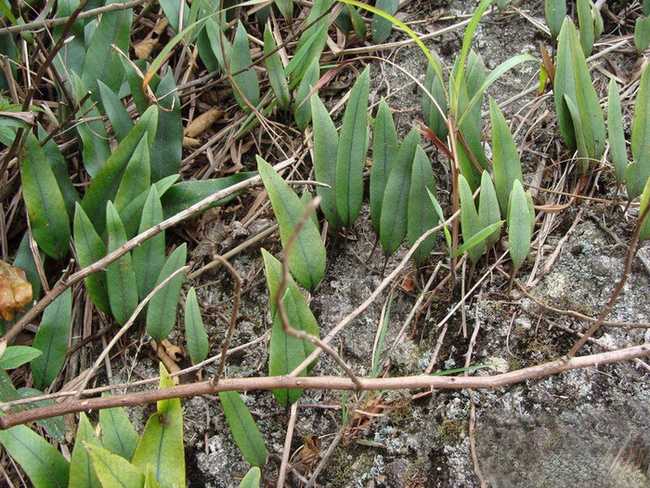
(351, 153)
(61, 172)
(219, 43)
(161, 444)
(432, 116)
(273, 63)
(195, 335)
(470, 223)
(176, 11)
(310, 47)
(24, 260)
(642, 33)
(120, 275)
(393, 224)
(102, 62)
(132, 213)
(617, 150)
(149, 257)
(45, 205)
(134, 80)
(117, 114)
(114, 471)
(307, 254)
(55, 426)
(384, 151)
(488, 208)
(381, 27)
(573, 80)
(52, 340)
(638, 172)
(505, 157)
(357, 21)
(184, 194)
(82, 473)
(645, 203)
(137, 176)
(243, 428)
(103, 186)
(90, 248)
(95, 149)
(167, 149)
(302, 106)
(43, 463)
(252, 478)
(326, 141)
(421, 214)
(15, 356)
(285, 351)
(579, 133)
(285, 7)
(118, 434)
(245, 84)
(586, 24)
(479, 238)
(519, 226)
(645, 5)
(161, 312)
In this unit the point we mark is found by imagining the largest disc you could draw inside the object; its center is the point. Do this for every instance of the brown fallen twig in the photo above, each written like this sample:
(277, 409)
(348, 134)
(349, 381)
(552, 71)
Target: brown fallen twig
(327, 383)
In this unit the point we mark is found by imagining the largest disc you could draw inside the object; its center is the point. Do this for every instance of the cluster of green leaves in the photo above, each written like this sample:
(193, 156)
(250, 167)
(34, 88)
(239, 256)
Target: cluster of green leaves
(590, 21)
(118, 456)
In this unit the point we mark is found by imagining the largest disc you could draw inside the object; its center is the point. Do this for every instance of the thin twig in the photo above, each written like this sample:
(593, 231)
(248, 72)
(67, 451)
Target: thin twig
(287, 445)
(328, 383)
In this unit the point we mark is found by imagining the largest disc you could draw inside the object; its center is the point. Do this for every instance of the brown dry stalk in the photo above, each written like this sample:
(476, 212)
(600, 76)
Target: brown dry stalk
(328, 383)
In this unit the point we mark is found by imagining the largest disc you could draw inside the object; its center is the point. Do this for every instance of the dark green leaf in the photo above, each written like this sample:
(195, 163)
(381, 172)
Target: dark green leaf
(45, 205)
(82, 473)
(149, 257)
(104, 185)
(644, 234)
(479, 238)
(357, 21)
(161, 445)
(309, 48)
(273, 63)
(120, 276)
(421, 215)
(246, 88)
(118, 434)
(638, 172)
(161, 312)
(351, 154)
(52, 340)
(394, 222)
(172, 9)
(137, 176)
(642, 33)
(285, 7)
(167, 150)
(617, 150)
(131, 215)
(90, 248)
(381, 27)
(15, 356)
(586, 24)
(25, 260)
(243, 428)
(195, 335)
(555, 11)
(326, 141)
(469, 220)
(55, 426)
(488, 208)
(117, 114)
(384, 152)
(301, 106)
(285, 351)
(43, 464)
(307, 255)
(184, 194)
(505, 157)
(432, 116)
(519, 226)
(59, 167)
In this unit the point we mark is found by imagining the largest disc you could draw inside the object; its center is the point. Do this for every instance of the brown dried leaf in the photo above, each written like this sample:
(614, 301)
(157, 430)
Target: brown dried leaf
(203, 122)
(144, 47)
(15, 290)
(161, 25)
(189, 142)
(163, 354)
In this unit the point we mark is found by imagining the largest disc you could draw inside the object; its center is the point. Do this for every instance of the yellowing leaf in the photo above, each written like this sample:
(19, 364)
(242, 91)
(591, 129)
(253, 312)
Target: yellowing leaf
(15, 290)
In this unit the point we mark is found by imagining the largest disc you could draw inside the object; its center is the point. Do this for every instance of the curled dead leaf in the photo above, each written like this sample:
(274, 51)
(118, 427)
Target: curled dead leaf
(143, 48)
(15, 290)
(190, 142)
(203, 122)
